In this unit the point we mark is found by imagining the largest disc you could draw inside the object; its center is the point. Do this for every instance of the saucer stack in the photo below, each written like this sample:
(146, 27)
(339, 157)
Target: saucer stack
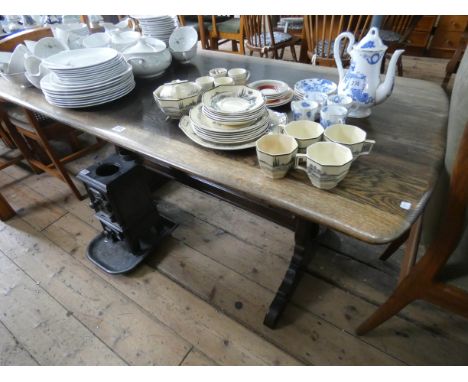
(308, 85)
(160, 27)
(86, 77)
(230, 117)
(276, 93)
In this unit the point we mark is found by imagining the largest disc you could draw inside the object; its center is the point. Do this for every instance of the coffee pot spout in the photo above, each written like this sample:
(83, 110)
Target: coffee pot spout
(385, 88)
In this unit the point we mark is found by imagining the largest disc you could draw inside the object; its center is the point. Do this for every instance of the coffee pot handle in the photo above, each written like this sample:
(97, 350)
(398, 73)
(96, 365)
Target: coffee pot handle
(297, 162)
(337, 50)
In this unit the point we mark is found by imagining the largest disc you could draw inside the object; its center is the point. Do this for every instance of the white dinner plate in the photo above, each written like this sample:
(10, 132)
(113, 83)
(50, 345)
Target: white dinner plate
(80, 58)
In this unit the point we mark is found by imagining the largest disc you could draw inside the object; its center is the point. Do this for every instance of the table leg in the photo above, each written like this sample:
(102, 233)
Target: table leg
(304, 235)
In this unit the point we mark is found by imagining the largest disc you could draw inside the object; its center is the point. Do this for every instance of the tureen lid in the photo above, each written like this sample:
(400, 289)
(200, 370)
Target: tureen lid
(371, 41)
(140, 47)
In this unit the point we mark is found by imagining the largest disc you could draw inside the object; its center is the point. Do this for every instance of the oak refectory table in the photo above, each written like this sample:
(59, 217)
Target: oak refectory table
(379, 200)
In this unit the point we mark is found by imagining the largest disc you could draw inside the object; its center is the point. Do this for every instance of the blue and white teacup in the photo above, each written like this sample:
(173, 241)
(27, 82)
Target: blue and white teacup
(320, 98)
(342, 100)
(332, 115)
(304, 110)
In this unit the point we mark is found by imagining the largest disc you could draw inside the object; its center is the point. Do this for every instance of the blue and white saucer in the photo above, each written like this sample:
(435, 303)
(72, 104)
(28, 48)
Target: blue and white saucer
(308, 85)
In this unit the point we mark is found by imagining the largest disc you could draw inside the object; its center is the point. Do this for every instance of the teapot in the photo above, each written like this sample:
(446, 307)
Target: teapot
(362, 80)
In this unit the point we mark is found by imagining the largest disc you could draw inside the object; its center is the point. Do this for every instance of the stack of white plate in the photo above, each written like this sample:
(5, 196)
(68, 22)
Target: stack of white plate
(160, 27)
(308, 85)
(86, 77)
(232, 116)
(276, 93)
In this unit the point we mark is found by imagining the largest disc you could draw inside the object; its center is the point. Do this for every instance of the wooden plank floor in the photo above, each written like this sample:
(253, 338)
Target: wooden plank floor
(200, 300)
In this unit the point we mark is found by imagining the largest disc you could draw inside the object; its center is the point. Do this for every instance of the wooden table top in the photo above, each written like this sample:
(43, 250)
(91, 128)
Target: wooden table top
(409, 129)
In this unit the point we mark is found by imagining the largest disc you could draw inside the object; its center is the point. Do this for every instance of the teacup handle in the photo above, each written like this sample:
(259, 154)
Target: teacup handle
(297, 162)
(367, 147)
(354, 107)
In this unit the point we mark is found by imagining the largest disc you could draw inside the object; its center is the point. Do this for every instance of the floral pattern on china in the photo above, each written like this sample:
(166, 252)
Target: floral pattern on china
(362, 79)
(321, 85)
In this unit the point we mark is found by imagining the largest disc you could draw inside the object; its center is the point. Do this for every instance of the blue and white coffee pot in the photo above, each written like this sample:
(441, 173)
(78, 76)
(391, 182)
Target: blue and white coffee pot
(362, 80)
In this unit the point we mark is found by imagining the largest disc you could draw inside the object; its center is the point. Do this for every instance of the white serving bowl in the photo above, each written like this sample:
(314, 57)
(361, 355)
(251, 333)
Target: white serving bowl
(176, 98)
(149, 58)
(16, 64)
(183, 43)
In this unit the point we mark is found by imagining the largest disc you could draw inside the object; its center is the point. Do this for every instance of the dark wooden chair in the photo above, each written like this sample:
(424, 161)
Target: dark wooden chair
(454, 63)
(40, 141)
(219, 30)
(263, 39)
(319, 35)
(441, 274)
(394, 32)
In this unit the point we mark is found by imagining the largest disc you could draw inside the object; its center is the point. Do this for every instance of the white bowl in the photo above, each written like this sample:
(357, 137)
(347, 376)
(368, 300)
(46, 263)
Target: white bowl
(47, 46)
(16, 64)
(17, 78)
(183, 43)
(97, 40)
(175, 99)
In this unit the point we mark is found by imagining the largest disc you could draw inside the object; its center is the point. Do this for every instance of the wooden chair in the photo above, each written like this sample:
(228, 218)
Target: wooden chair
(319, 34)
(262, 38)
(395, 32)
(453, 64)
(32, 133)
(446, 258)
(8, 44)
(220, 31)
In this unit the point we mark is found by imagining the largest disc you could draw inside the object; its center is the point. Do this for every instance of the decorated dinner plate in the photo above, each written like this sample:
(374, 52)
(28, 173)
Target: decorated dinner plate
(270, 88)
(186, 126)
(199, 118)
(228, 100)
(321, 85)
(281, 101)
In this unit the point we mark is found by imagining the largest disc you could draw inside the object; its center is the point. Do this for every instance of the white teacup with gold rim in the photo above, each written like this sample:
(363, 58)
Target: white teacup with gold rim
(327, 163)
(276, 154)
(223, 81)
(350, 136)
(305, 132)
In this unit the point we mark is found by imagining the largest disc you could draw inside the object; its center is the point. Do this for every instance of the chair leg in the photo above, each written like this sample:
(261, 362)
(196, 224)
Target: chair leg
(57, 164)
(6, 212)
(293, 52)
(400, 66)
(400, 298)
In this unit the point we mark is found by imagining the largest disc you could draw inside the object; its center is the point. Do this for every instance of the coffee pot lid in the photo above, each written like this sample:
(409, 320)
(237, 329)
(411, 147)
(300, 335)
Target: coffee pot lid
(371, 41)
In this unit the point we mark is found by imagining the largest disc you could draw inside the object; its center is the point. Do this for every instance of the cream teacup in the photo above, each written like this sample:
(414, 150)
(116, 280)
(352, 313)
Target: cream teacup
(332, 114)
(350, 136)
(327, 163)
(276, 154)
(220, 81)
(218, 72)
(239, 75)
(304, 110)
(305, 132)
(205, 82)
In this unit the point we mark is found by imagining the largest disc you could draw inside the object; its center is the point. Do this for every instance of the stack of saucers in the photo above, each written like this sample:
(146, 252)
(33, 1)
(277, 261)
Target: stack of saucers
(308, 85)
(276, 93)
(86, 77)
(233, 116)
(160, 27)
